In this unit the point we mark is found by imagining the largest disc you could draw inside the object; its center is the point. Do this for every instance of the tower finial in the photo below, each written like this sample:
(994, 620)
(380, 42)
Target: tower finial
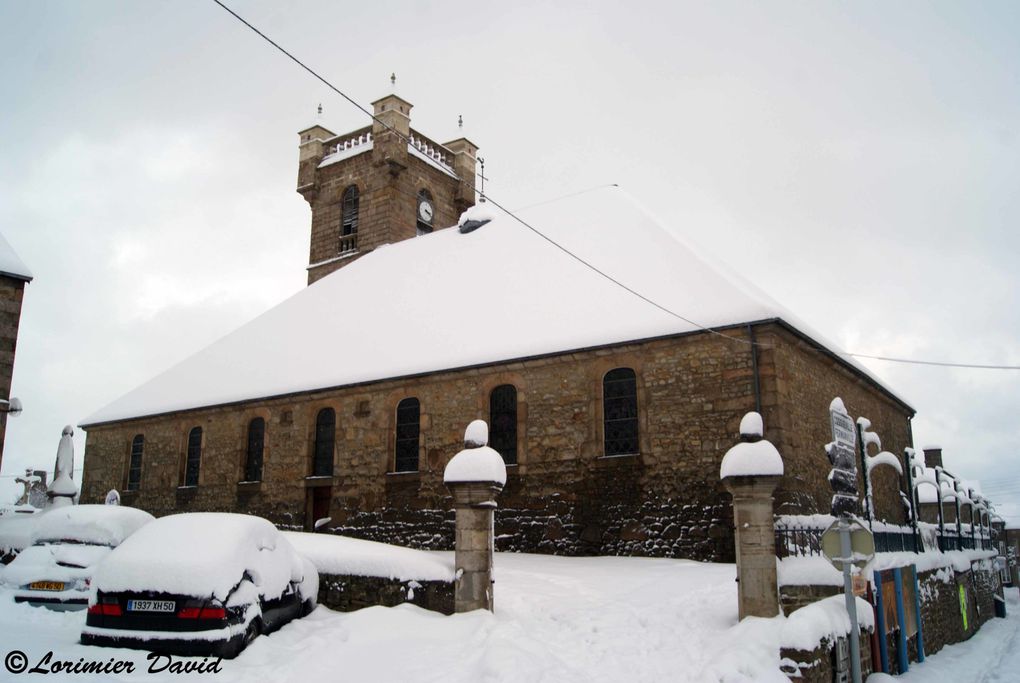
(481, 194)
(320, 108)
(393, 80)
(460, 122)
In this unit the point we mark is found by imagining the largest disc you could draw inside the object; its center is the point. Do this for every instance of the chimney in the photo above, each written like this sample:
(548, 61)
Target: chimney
(465, 156)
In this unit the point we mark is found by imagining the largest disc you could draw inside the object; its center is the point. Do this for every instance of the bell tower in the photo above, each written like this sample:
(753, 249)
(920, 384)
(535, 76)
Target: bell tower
(379, 184)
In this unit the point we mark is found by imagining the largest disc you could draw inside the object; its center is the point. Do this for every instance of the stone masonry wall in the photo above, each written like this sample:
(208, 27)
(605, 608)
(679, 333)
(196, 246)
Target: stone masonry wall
(12, 291)
(797, 417)
(562, 497)
(346, 593)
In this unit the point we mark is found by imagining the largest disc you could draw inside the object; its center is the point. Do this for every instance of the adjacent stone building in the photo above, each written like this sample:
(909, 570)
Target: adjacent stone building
(347, 400)
(13, 278)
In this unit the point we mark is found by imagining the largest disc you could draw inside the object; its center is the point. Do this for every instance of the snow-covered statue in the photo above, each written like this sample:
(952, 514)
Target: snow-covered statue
(63, 490)
(112, 497)
(35, 492)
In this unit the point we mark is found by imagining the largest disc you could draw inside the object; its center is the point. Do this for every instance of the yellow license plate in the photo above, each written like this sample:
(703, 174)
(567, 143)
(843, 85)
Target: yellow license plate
(46, 586)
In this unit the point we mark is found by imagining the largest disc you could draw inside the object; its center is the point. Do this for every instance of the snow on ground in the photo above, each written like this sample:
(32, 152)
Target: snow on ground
(557, 619)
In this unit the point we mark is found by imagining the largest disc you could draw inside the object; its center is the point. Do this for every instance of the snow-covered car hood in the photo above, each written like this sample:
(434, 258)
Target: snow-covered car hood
(201, 554)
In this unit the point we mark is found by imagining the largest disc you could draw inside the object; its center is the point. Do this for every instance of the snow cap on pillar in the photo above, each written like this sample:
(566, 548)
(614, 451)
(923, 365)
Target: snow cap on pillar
(477, 462)
(753, 456)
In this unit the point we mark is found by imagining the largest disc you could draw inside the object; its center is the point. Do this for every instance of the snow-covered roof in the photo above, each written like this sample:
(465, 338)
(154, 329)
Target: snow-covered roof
(498, 293)
(11, 264)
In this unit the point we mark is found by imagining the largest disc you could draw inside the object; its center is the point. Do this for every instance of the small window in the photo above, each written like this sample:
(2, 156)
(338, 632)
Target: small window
(349, 211)
(408, 429)
(503, 422)
(325, 439)
(256, 445)
(194, 460)
(620, 413)
(135, 463)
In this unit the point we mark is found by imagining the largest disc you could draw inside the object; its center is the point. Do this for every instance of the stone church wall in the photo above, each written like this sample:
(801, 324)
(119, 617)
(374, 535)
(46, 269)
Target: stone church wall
(562, 497)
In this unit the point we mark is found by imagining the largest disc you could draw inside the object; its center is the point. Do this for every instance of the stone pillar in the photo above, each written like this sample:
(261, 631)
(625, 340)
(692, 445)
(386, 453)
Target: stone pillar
(475, 476)
(758, 583)
(474, 503)
(750, 471)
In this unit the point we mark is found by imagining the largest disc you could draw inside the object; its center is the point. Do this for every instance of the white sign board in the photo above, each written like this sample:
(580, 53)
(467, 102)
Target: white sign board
(844, 433)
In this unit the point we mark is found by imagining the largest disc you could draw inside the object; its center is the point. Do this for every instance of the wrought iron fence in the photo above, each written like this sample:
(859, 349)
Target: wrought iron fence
(802, 537)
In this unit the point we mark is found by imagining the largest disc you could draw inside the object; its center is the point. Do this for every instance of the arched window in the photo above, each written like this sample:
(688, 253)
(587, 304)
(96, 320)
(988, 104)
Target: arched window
(135, 463)
(426, 212)
(325, 438)
(349, 211)
(256, 445)
(503, 422)
(194, 460)
(620, 413)
(408, 429)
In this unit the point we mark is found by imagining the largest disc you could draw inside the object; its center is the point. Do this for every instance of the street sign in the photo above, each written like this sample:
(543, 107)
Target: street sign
(862, 544)
(844, 433)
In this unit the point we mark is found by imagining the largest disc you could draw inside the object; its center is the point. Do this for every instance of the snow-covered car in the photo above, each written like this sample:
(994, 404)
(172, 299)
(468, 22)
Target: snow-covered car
(67, 545)
(202, 583)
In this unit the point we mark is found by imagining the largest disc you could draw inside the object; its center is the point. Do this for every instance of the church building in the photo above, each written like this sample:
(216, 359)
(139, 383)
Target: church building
(612, 413)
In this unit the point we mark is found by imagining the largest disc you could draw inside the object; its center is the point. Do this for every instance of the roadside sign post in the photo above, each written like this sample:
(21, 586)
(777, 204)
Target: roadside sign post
(847, 542)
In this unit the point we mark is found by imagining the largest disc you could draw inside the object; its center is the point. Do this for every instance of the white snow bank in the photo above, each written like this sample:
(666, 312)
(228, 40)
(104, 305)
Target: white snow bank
(332, 554)
(477, 462)
(98, 524)
(752, 425)
(824, 619)
(816, 570)
(201, 554)
(758, 458)
(810, 570)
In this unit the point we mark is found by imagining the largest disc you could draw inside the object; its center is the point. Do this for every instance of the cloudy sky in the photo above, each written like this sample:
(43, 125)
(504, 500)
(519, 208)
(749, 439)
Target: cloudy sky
(859, 161)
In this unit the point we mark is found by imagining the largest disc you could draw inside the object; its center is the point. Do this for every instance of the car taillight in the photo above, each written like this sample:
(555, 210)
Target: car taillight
(106, 609)
(202, 613)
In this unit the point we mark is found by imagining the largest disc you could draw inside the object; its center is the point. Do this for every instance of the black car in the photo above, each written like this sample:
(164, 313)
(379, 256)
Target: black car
(203, 584)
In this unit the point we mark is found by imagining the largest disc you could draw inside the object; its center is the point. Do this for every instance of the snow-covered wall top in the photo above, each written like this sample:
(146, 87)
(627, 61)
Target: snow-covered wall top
(548, 302)
(11, 264)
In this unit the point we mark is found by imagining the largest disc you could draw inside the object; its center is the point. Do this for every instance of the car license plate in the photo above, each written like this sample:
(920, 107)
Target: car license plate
(151, 605)
(46, 585)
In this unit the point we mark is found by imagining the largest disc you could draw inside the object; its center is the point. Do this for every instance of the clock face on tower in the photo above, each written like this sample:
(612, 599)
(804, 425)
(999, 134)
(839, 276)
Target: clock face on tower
(425, 211)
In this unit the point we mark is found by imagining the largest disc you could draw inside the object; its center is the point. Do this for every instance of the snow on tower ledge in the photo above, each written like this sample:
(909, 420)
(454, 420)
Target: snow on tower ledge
(753, 456)
(477, 462)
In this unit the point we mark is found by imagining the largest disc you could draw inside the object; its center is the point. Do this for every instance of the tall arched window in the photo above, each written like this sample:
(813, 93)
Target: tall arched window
(349, 221)
(194, 459)
(426, 212)
(408, 429)
(503, 422)
(135, 463)
(620, 412)
(349, 211)
(325, 438)
(256, 445)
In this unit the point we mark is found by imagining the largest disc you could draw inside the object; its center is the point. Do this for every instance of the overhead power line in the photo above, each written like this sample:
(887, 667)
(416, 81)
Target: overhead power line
(939, 363)
(582, 261)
